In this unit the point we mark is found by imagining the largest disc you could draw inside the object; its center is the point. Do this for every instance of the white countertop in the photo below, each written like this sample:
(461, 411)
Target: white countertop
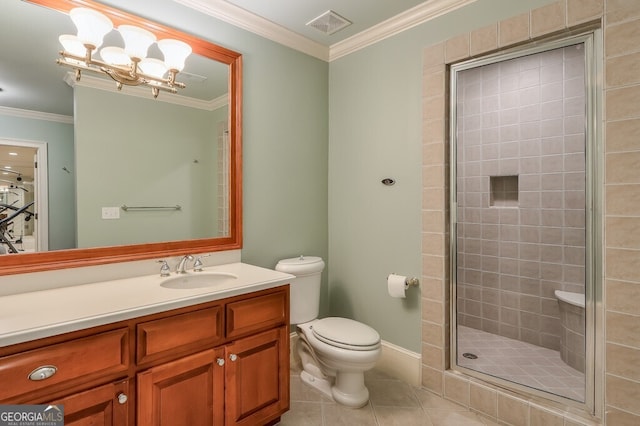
(38, 314)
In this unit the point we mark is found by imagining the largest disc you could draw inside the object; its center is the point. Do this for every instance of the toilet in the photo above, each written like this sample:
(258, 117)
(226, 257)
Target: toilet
(335, 352)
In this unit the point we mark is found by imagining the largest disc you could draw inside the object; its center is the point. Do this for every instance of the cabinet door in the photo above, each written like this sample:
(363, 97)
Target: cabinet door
(105, 405)
(185, 392)
(257, 378)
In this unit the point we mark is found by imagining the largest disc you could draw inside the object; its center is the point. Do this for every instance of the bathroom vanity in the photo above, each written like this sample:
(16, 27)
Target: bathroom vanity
(131, 351)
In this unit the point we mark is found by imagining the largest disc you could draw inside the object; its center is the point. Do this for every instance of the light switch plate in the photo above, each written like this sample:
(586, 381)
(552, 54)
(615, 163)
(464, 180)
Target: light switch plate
(111, 212)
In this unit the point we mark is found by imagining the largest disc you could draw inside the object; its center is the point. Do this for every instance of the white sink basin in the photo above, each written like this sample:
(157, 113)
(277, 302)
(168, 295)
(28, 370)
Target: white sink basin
(198, 280)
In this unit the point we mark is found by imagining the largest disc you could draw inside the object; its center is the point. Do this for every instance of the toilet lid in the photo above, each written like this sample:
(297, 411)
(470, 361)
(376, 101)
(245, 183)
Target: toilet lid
(346, 333)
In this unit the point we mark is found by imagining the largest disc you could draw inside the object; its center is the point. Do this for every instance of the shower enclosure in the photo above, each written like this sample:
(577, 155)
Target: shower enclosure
(522, 227)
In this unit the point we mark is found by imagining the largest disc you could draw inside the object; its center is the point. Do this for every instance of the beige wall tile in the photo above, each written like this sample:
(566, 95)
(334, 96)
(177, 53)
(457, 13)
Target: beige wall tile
(433, 221)
(433, 176)
(621, 10)
(623, 394)
(623, 135)
(434, 83)
(622, 200)
(483, 40)
(622, 39)
(433, 131)
(623, 70)
(623, 361)
(433, 243)
(432, 311)
(620, 418)
(542, 417)
(513, 411)
(579, 11)
(623, 103)
(433, 107)
(623, 232)
(483, 399)
(433, 55)
(432, 334)
(434, 198)
(623, 329)
(622, 296)
(432, 288)
(432, 154)
(433, 266)
(513, 30)
(456, 388)
(432, 379)
(547, 19)
(622, 264)
(433, 356)
(457, 48)
(623, 167)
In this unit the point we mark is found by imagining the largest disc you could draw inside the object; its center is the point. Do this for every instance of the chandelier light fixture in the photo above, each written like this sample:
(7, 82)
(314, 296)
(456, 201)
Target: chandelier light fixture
(126, 66)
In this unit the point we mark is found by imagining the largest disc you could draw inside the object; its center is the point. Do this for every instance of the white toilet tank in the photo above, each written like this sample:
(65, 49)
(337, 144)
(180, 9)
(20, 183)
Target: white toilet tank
(305, 288)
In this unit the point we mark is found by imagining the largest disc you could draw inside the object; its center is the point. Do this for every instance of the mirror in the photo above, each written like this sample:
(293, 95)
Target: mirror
(160, 240)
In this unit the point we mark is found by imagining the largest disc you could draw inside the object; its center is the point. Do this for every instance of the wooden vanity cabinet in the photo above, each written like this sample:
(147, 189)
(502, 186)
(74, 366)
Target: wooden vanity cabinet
(224, 362)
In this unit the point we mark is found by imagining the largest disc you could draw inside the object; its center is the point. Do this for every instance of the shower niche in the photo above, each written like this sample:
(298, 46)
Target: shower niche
(521, 228)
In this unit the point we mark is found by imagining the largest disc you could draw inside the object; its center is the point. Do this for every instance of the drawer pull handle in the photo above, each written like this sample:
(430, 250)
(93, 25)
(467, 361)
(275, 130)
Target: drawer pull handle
(220, 362)
(122, 398)
(233, 357)
(42, 373)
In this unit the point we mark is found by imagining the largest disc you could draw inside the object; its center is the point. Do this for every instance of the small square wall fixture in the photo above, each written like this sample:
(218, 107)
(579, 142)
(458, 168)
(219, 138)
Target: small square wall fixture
(503, 191)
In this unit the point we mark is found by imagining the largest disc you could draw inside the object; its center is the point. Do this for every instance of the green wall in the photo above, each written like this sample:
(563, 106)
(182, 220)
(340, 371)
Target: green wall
(375, 117)
(59, 138)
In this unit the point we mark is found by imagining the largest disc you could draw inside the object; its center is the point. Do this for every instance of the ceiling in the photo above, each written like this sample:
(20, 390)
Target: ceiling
(285, 21)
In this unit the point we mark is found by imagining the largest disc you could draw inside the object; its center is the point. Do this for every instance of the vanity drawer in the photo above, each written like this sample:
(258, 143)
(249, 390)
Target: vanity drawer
(256, 314)
(179, 334)
(72, 362)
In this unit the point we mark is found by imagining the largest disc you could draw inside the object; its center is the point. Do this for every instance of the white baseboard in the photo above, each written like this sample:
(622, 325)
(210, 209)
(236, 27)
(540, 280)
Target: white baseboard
(395, 361)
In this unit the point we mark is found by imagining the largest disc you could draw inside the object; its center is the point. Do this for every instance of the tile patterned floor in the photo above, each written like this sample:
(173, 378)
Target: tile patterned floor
(519, 362)
(391, 403)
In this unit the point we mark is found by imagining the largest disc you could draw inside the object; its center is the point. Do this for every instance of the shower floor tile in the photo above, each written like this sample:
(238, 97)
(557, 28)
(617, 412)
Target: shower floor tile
(519, 362)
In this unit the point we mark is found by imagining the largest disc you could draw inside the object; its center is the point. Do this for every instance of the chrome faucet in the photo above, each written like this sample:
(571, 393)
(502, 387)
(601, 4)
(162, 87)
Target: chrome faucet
(182, 266)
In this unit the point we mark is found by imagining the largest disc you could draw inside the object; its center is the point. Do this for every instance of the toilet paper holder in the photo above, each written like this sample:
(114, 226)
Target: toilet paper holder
(410, 282)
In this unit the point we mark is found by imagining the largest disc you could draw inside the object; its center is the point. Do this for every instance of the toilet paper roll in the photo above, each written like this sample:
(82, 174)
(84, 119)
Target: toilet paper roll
(396, 285)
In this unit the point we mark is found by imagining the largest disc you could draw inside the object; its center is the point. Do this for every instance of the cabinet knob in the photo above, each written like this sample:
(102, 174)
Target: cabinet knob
(122, 398)
(233, 357)
(220, 362)
(43, 372)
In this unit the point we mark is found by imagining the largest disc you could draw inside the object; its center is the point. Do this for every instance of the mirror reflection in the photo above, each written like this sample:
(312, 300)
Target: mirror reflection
(115, 167)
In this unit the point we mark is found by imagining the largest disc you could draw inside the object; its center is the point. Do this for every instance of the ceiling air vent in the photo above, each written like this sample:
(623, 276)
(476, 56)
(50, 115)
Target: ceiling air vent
(329, 22)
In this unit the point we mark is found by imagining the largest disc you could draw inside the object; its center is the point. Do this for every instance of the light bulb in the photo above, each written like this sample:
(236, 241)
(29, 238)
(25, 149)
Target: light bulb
(115, 56)
(92, 25)
(175, 53)
(136, 40)
(153, 67)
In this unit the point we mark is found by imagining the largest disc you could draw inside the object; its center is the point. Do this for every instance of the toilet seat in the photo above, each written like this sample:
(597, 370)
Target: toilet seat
(346, 334)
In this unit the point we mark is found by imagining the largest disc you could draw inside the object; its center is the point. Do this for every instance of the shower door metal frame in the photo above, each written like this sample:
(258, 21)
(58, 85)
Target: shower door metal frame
(591, 39)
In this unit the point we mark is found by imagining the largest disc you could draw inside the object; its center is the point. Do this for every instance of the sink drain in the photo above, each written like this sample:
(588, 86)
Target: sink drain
(469, 355)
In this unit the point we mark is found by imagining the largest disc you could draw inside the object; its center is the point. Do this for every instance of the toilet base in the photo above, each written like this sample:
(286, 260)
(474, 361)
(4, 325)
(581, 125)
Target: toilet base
(323, 385)
(351, 394)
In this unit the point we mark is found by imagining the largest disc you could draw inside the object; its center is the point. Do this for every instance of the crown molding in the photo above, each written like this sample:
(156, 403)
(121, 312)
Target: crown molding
(246, 20)
(241, 18)
(145, 92)
(36, 115)
(403, 21)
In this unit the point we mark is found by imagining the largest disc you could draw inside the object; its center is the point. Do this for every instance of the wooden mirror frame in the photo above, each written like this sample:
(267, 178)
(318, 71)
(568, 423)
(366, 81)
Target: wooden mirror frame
(73, 258)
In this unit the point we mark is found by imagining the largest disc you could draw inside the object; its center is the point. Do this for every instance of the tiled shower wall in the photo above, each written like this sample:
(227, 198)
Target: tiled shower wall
(521, 193)
(618, 330)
